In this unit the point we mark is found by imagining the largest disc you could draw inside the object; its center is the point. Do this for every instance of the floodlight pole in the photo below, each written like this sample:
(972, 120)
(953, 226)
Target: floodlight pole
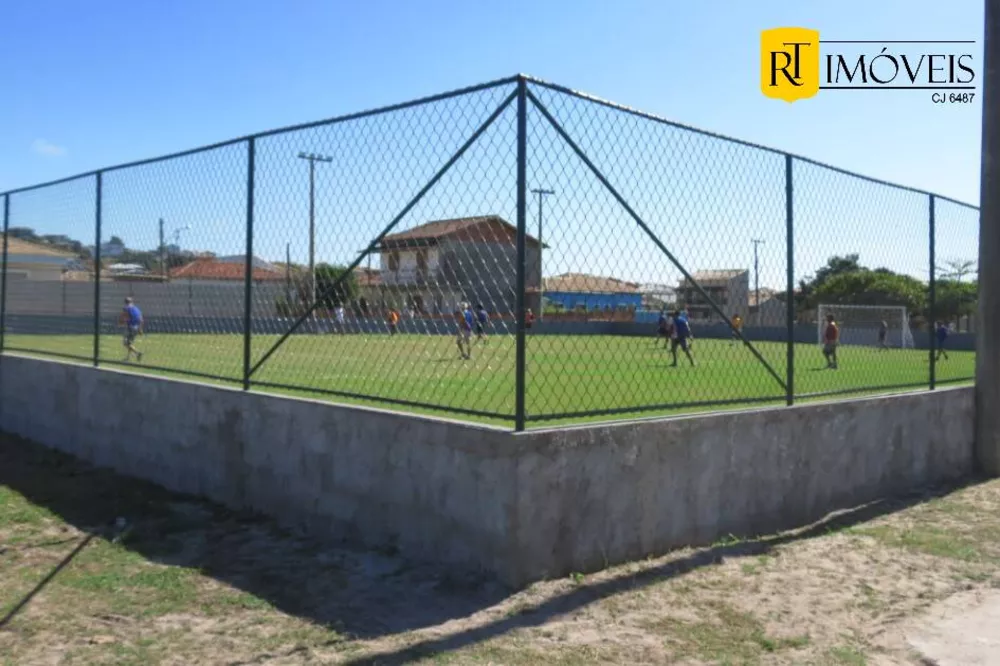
(756, 276)
(988, 336)
(541, 192)
(163, 249)
(312, 158)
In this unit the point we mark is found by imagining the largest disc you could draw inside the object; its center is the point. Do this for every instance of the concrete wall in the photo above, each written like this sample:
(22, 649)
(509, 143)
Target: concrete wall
(436, 489)
(527, 506)
(594, 495)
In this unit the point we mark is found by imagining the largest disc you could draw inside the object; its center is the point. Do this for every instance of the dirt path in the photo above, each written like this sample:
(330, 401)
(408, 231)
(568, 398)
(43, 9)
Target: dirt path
(188, 582)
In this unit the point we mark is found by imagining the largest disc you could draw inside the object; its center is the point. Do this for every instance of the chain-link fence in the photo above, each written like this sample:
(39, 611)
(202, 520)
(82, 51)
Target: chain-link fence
(512, 252)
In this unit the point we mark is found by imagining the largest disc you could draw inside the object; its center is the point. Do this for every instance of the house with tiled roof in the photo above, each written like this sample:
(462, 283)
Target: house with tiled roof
(38, 262)
(584, 292)
(729, 288)
(226, 269)
(437, 265)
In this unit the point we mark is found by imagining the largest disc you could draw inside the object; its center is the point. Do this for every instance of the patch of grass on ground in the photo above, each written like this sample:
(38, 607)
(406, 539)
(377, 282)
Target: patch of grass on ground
(565, 374)
(187, 581)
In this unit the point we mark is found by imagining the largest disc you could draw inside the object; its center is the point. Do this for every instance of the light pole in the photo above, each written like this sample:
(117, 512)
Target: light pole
(313, 158)
(541, 192)
(756, 276)
(163, 249)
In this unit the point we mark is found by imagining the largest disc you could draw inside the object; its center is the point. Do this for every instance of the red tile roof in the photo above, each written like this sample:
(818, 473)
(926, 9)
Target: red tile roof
(589, 284)
(210, 269)
(483, 228)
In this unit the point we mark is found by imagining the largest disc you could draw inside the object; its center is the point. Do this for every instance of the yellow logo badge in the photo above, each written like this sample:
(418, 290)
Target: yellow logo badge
(789, 63)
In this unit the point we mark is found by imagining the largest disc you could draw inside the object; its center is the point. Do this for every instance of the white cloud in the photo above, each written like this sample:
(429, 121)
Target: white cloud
(47, 148)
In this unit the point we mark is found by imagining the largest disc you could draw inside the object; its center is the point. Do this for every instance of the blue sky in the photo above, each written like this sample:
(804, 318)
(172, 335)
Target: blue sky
(88, 86)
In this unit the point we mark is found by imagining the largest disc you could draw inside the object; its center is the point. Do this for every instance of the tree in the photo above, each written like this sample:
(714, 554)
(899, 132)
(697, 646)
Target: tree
(23, 233)
(873, 287)
(330, 296)
(954, 299)
(956, 269)
(835, 265)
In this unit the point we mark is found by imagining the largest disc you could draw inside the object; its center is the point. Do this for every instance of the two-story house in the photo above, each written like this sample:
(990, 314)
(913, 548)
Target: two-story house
(729, 288)
(435, 266)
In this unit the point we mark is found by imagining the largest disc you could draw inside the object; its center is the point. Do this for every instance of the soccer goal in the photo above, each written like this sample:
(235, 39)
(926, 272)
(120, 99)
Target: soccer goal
(859, 324)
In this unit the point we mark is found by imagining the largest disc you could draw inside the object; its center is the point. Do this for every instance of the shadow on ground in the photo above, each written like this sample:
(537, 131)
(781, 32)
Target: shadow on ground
(361, 593)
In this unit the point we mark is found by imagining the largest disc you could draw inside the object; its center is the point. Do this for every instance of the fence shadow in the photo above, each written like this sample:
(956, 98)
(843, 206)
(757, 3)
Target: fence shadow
(365, 594)
(361, 593)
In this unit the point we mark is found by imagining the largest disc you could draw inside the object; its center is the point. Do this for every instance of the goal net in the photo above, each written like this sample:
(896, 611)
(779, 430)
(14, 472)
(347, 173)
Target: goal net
(860, 324)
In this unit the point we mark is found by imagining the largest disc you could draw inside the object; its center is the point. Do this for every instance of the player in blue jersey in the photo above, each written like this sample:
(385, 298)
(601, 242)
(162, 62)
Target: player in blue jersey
(681, 337)
(664, 329)
(482, 318)
(942, 335)
(131, 319)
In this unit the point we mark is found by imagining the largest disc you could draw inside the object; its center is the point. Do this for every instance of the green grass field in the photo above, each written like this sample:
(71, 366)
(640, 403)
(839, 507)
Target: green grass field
(566, 375)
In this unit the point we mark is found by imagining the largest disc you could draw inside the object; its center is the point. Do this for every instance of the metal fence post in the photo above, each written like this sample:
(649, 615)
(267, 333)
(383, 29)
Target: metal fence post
(3, 272)
(248, 276)
(522, 132)
(932, 299)
(789, 285)
(97, 270)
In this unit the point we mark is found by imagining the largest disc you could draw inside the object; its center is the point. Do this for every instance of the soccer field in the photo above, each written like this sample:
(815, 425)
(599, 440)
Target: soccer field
(567, 376)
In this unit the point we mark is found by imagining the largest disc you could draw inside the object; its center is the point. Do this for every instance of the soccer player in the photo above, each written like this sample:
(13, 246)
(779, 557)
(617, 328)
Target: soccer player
(663, 326)
(482, 317)
(339, 314)
(942, 335)
(463, 337)
(393, 321)
(883, 332)
(131, 319)
(737, 328)
(831, 336)
(681, 336)
(529, 318)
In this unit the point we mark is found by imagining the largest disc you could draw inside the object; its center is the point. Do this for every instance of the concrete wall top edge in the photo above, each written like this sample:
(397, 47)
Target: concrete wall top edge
(471, 429)
(761, 412)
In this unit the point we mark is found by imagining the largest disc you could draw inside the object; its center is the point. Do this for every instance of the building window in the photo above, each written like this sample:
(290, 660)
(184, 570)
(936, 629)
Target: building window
(394, 261)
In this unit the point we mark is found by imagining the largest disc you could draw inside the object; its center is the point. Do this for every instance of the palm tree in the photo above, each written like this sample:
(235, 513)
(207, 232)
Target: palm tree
(959, 268)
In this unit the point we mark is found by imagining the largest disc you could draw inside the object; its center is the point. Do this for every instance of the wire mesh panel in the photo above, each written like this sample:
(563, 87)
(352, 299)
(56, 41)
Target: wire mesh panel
(648, 264)
(50, 270)
(386, 232)
(173, 238)
(862, 262)
(955, 290)
(375, 258)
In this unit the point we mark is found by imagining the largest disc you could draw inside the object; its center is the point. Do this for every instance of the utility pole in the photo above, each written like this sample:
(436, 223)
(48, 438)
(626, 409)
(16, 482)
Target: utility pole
(541, 192)
(312, 158)
(288, 275)
(163, 249)
(988, 333)
(756, 276)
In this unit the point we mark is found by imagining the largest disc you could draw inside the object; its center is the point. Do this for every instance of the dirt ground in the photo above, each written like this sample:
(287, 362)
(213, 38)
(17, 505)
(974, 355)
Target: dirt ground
(182, 581)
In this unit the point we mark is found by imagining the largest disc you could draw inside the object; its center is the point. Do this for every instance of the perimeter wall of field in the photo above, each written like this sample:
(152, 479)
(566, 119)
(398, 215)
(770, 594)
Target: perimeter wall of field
(523, 506)
(42, 324)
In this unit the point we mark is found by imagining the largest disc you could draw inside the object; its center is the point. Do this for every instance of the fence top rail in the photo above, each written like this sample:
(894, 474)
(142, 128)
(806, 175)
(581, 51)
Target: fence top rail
(715, 135)
(465, 91)
(280, 130)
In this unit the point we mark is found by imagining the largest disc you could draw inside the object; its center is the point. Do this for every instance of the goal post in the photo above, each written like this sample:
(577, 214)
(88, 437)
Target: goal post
(860, 324)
